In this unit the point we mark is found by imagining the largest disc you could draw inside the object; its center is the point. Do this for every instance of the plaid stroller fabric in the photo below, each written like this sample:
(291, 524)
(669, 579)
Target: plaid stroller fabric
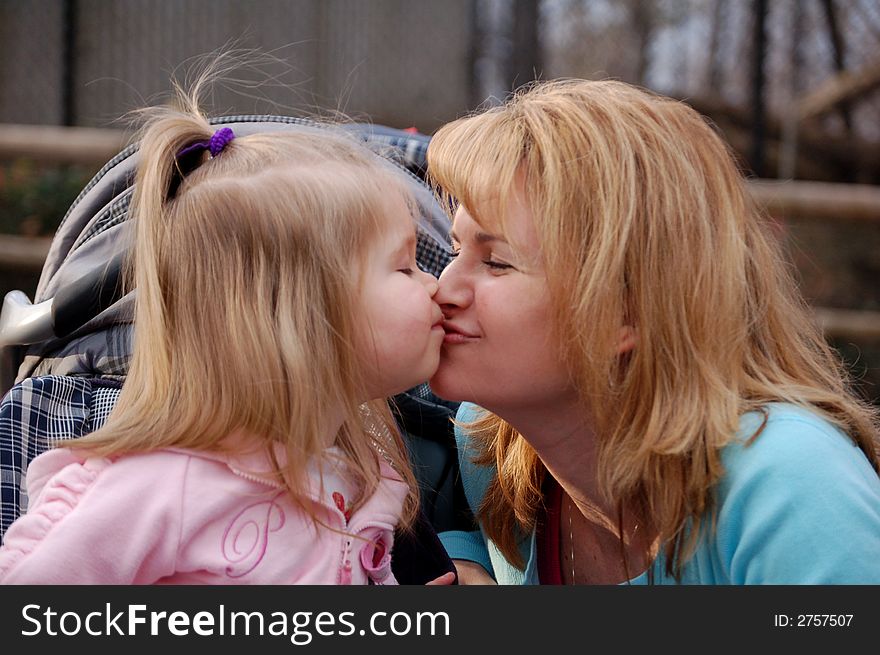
(39, 412)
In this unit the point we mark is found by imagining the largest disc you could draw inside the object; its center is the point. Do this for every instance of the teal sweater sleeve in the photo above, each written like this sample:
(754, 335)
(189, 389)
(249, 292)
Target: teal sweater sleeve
(799, 505)
(468, 546)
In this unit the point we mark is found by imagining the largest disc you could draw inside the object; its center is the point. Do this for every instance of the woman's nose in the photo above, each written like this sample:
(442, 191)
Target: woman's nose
(454, 289)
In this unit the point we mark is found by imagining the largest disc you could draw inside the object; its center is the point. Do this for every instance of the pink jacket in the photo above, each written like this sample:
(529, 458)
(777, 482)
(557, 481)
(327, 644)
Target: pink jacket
(186, 517)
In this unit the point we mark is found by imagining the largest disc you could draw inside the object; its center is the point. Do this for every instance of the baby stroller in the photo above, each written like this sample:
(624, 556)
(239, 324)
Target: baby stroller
(63, 359)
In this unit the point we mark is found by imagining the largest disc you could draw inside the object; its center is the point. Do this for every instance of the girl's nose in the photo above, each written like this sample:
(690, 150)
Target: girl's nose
(430, 283)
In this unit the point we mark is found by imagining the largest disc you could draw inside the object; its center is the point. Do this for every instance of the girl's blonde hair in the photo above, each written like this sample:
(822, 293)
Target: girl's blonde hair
(247, 277)
(643, 219)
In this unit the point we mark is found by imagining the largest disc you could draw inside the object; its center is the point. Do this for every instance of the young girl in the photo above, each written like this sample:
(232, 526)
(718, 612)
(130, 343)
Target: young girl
(277, 294)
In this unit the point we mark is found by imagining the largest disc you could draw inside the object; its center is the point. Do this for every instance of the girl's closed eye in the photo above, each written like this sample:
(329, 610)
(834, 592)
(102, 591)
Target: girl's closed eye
(408, 266)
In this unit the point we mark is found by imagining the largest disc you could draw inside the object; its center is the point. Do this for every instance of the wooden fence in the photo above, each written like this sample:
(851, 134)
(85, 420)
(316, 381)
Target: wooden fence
(844, 202)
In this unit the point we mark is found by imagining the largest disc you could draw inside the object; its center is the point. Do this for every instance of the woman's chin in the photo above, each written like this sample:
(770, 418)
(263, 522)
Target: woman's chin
(446, 384)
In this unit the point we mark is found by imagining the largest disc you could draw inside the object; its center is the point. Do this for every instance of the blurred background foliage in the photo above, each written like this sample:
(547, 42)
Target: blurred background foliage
(35, 196)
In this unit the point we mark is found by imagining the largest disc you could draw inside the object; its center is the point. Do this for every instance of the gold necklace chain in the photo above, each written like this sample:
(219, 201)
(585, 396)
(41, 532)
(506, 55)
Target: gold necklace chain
(596, 517)
(571, 540)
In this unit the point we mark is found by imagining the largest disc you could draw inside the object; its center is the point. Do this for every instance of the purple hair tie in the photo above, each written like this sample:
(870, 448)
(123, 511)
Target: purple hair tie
(219, 140)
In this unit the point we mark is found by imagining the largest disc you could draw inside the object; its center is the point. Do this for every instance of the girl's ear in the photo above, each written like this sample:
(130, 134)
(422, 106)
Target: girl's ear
(627, 338)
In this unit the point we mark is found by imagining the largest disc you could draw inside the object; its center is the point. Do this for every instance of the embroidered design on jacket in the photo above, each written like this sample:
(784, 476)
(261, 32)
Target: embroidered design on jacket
(247, 537)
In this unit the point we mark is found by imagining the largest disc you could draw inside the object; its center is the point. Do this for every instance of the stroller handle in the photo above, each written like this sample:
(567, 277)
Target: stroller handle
(23, 323)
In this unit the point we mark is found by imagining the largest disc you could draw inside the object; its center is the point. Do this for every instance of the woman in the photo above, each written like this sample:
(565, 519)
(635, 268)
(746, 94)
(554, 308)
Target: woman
(653, 401)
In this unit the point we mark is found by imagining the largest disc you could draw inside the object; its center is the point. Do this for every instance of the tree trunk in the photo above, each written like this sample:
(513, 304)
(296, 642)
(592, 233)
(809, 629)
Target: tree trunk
(525, 61)
(759, 48)
(642, 21)
(718, 16)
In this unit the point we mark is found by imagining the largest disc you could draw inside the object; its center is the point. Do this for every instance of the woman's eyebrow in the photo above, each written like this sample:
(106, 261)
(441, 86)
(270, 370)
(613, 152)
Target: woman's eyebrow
(479, 237)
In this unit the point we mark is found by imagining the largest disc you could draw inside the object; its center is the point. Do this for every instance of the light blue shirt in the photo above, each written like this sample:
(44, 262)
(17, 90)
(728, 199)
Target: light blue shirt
(799, 505)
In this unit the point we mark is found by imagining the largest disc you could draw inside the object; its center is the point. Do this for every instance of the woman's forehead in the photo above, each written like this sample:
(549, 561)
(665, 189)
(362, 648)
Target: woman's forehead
(516, 228)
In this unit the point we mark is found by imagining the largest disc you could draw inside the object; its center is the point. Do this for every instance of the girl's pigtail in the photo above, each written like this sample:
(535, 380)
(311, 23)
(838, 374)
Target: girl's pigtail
(161, 173)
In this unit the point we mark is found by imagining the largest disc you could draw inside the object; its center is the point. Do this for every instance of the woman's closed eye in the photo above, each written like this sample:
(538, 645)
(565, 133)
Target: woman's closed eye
(489, 262)
(497, 265)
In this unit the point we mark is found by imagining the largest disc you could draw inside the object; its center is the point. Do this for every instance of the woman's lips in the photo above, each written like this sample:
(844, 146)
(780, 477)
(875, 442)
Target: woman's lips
(455, 335)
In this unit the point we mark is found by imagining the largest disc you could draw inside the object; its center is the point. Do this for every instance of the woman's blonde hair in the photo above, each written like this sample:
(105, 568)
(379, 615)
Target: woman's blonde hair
(247, 272)
(643, 219)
